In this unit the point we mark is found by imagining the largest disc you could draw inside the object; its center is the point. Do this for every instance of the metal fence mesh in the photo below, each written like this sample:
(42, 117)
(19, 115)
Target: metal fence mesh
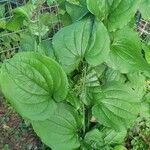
(7, 7)
(144, 30)
(9, 42)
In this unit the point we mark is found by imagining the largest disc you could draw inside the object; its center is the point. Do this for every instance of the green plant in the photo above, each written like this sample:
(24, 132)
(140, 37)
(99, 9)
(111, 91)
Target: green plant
(119, 147)
(139, 144)
(139, 134)
(29, 29)
(91, 92)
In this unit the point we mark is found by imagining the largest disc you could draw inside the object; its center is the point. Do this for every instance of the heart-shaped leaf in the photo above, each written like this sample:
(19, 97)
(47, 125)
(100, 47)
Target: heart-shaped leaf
(125, 54)
(100, 8)
(121, 13)
(114, 106)
(60, 132)
(32, 83)
(99, 45)
(94, 139)
(81, 40)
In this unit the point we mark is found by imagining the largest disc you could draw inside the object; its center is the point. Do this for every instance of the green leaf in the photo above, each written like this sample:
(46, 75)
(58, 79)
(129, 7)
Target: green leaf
(112, 137)
(25, 11)
(146, 49)
(66, 19)
(145, 9)
(2, 24)
(82, 2)
(20, 14)
(49, 19)
(94, 139)
(125, 54)
(61, 4)
(2, 10)
(115, 4)
(120, 147)
(45, 48)
(92, 78)
(121, 13)
(60, 132)
(117, 13)
(27, 42)
(100, 8)
(145, 109)
(15, 23)
(114, 106)
(32, 83)
(38, 28)
(50, 2)
(103, 139)
(137, 82)
(73, 1)
(81, 40)
(38, 2)
(6, 147)
(114, 75)
(70, 44)
(93, 74)
(99, 45)
(73, 99)
(76, 12)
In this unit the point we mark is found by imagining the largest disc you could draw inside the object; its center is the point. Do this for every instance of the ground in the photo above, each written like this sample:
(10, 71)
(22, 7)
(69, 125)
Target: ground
(16, 134)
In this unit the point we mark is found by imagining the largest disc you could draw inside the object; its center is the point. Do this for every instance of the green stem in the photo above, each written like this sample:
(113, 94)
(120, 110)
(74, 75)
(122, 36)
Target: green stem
(39, 26)
(83, 105)
(88, 118)
(84, 122)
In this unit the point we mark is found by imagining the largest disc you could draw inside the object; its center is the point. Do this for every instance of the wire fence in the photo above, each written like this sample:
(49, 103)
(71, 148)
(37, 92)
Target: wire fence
(10, 40)
(142, 27)
(6, 13)
(144, 30)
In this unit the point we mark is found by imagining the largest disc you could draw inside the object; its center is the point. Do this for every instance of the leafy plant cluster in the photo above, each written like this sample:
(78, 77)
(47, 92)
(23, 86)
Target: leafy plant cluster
(28, 27)
(138, 138)
(90, 91)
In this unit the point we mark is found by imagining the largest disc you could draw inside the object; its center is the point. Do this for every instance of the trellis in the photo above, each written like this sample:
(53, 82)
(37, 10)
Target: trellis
(6, 35)
(142, 27)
